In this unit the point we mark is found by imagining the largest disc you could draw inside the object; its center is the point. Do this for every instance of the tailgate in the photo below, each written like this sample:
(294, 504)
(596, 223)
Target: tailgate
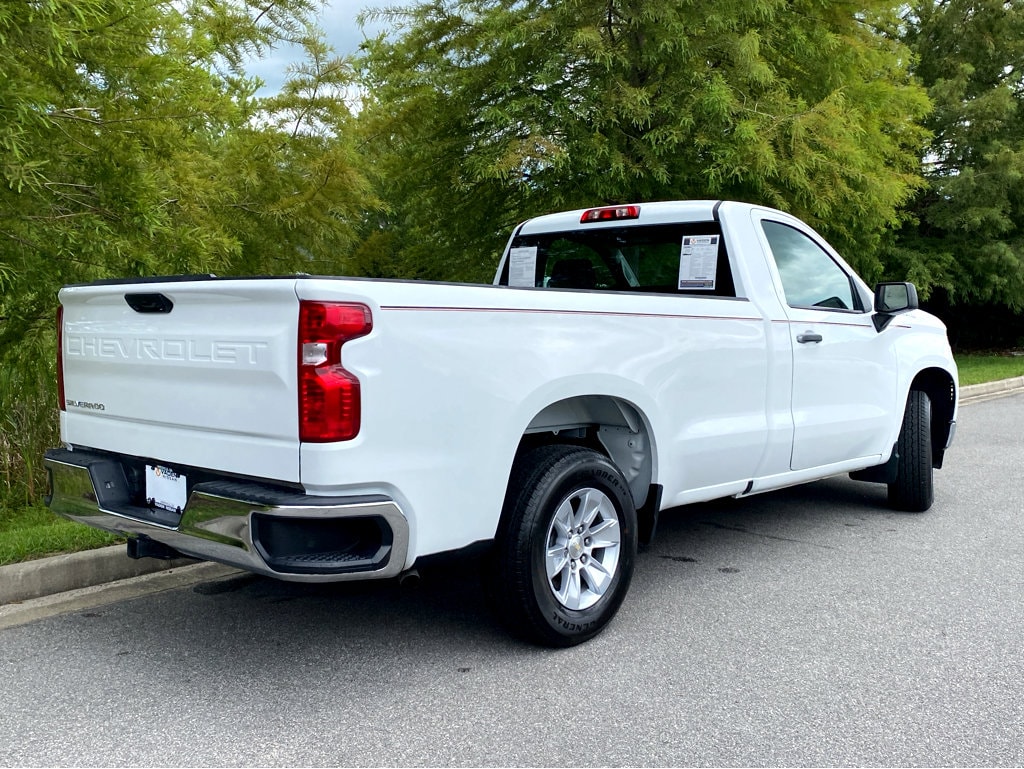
(197, 372)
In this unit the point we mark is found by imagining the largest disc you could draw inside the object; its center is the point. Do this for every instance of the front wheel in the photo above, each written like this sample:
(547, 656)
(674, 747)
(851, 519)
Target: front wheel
(913, 488)
(564, 555)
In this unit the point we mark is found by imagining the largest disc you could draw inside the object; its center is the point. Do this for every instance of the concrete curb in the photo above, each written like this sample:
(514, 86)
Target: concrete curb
(61, 573)
(94, 596)
(978, 392)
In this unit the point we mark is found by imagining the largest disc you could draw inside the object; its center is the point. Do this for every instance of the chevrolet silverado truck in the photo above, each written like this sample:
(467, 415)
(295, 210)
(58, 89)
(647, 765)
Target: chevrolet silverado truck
(627, 359)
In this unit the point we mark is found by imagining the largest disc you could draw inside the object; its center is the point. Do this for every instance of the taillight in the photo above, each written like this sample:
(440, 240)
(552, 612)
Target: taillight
(60, 358)
(610, 213)
(329, 402)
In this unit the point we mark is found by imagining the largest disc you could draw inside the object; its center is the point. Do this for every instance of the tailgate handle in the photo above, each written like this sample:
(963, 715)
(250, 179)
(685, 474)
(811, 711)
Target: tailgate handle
(149, 303)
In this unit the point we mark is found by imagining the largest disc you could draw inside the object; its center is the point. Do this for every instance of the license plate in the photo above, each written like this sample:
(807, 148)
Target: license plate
(165, 488)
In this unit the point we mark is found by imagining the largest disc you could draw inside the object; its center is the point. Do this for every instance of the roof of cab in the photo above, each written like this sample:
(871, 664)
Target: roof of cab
(665, 212)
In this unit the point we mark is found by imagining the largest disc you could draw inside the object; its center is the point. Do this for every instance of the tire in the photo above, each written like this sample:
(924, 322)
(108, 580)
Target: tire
(912, 490)
(564, 553)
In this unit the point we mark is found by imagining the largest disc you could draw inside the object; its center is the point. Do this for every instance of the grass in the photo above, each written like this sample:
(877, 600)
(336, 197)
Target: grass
(977, 368)
(35, 532)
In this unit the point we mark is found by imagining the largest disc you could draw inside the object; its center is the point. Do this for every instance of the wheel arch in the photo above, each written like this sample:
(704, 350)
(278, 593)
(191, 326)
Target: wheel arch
(609, 424)
(940, 387)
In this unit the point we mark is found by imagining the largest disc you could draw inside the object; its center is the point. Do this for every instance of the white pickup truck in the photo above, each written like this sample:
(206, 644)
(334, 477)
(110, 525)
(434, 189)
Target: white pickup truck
(627, 359)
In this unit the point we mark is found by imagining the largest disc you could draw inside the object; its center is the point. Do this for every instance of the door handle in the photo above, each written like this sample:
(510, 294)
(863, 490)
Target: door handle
(808, 337)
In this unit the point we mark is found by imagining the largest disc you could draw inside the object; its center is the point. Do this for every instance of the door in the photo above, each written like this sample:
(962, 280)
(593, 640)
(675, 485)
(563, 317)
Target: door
(844, 371)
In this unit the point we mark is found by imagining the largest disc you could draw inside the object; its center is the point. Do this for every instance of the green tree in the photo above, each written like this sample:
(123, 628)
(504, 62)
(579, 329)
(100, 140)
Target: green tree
(968, 231)
(132, 143)
(482, 112)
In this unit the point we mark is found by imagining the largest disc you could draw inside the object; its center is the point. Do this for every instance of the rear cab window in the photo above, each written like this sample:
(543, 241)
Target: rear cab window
(689, 258)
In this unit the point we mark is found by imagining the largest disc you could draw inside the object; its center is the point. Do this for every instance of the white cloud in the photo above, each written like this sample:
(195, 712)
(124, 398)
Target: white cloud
(342, 31)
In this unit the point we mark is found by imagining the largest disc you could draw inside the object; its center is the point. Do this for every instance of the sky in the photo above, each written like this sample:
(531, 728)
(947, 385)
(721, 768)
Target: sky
(338, 20)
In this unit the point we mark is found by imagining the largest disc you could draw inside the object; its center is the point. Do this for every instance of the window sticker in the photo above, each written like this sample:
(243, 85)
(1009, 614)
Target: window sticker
(698, 262)
(522, 266)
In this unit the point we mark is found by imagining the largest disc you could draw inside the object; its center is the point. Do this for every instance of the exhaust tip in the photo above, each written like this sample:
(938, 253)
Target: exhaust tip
(410, 579)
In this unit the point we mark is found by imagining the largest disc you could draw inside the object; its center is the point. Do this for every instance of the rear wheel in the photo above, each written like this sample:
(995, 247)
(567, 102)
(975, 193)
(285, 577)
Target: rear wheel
(564, 557)
(913, 488)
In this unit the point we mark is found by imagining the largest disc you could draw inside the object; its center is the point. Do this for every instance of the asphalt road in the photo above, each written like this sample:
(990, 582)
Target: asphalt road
(807, 627)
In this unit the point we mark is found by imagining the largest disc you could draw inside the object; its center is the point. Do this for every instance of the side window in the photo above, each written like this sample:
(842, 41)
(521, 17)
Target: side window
(809, 275)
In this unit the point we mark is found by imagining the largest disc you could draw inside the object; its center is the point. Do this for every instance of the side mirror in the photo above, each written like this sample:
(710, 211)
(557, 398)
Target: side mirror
(893, 298)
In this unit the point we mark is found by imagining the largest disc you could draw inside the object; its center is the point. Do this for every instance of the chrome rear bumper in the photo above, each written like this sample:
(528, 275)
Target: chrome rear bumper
(277, 533)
